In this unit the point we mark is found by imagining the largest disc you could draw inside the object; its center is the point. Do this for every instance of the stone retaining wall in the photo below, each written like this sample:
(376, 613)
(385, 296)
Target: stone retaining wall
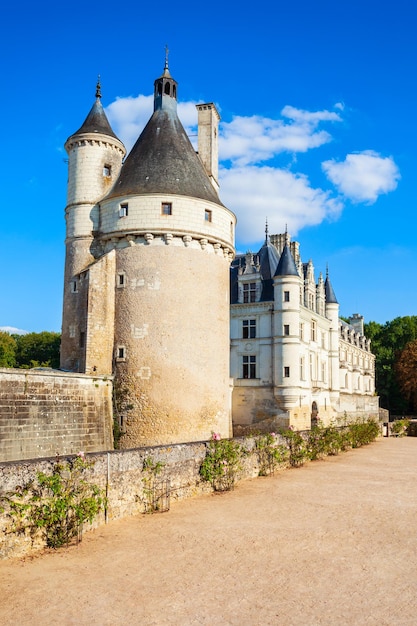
(48, 412)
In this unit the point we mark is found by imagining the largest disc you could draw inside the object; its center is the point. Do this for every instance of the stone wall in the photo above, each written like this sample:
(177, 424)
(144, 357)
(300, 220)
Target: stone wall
(120, 474)
(47, 413)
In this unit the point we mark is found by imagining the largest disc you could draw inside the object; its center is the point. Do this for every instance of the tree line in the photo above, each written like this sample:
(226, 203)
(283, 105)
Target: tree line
(393, 343)
(30, 350)
(395, 347)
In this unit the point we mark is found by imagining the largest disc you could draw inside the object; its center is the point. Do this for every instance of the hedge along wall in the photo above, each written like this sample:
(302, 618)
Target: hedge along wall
(47, 412)
(120, 473)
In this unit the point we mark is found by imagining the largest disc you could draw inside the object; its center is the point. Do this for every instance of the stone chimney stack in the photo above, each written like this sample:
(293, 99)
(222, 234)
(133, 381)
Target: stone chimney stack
(208, 145)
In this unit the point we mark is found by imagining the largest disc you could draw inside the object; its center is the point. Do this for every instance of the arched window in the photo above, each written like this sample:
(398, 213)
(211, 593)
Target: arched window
(167, 88)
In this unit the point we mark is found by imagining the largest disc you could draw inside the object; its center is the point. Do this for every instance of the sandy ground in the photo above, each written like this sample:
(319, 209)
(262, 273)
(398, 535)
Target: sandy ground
(333, 543)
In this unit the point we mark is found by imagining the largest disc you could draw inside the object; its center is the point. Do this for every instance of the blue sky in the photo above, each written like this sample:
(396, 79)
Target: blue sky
(318, 104)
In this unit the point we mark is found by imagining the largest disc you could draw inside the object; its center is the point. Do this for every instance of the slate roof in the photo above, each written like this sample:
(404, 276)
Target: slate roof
(163, 160)
(330, 294)
(286, 265)
(96, 122)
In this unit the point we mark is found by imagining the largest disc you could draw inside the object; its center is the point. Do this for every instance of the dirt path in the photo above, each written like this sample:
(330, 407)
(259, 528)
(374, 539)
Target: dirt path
(332, 543)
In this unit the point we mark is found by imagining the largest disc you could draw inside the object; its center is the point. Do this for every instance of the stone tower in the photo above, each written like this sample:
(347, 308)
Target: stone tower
(148, 299)
(286, 328)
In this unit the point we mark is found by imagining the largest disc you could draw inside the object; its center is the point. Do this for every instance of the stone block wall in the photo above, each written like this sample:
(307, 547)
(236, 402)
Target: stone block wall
(47, 413)
(120, 473)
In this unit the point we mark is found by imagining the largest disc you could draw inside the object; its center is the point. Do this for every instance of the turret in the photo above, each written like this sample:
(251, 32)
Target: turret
(287, 284)
(332, 313)
(95, 157)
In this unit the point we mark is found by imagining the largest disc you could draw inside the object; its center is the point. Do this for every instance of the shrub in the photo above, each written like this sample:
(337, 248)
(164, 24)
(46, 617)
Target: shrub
(297, 447)
(222, 463)
(270, 453)
(399, 427)
(55, 505)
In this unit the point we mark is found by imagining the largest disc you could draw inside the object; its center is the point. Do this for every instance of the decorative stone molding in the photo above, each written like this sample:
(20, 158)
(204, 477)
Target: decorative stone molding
(187, 239)
(148, 238)
(168, 238)
(203, 243)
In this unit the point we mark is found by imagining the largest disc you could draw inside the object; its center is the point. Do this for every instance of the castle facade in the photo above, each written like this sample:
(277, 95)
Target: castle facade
(149, 246)
(293, 360)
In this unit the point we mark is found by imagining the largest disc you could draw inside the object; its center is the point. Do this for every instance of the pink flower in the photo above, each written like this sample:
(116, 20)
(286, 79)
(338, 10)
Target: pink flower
(291, 427)
(216, 436)
(81, 454)
(273, 435)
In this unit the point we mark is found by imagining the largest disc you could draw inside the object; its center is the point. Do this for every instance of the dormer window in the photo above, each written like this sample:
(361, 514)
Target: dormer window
(249, 292)
(123, 209)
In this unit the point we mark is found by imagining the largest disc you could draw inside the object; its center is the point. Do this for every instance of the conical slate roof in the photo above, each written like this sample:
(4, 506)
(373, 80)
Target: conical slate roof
(268, 260)
(164, 161)
(286, 265)
(330, 294)
(96, 121)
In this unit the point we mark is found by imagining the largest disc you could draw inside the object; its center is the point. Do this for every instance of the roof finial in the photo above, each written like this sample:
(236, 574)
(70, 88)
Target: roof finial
(266, 230)
(98, 87)
(287, 239)
(166, 56)
(327, 270)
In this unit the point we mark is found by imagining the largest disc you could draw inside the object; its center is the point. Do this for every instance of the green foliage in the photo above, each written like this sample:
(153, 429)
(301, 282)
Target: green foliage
(406, 373)
(222, 462)
(7, 350)
(297, 447)
(270, 453)
(156, 493)
(362, 432)
(38, 350)
(55, 505)
(399, 427)
(387, 343)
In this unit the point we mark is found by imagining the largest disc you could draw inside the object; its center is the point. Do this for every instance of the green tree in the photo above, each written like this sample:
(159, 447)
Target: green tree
(38, 349)
(406, 371)
(7, 350)
(387, 342)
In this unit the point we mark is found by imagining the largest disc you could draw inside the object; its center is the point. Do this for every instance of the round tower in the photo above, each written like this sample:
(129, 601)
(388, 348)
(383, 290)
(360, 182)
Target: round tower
(173, 242)
(287, 283)
(332, 313)
(95, 157)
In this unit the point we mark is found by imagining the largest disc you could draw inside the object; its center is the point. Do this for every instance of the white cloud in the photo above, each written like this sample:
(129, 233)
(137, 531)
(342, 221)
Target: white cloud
(285, 199)
(255, 139)
(251, 185)
(362, 177)
(12, 330)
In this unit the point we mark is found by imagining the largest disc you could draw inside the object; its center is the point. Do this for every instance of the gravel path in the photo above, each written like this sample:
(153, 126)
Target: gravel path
(331, 543)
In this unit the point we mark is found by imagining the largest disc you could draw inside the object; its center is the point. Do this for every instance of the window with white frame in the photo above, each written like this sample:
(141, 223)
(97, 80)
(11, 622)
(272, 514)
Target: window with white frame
(313, 330)
(249, 366)
(286, 296)
(123, 209)
(208, 215)
(121, 280)
(166, 208)
(249, 329)
(286, 371)
(249, 292)
(286, 329)
(302, 368)
(120, 353)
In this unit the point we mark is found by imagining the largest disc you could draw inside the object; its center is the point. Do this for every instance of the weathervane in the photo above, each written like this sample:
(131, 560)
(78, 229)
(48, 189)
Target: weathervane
(98, 87)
